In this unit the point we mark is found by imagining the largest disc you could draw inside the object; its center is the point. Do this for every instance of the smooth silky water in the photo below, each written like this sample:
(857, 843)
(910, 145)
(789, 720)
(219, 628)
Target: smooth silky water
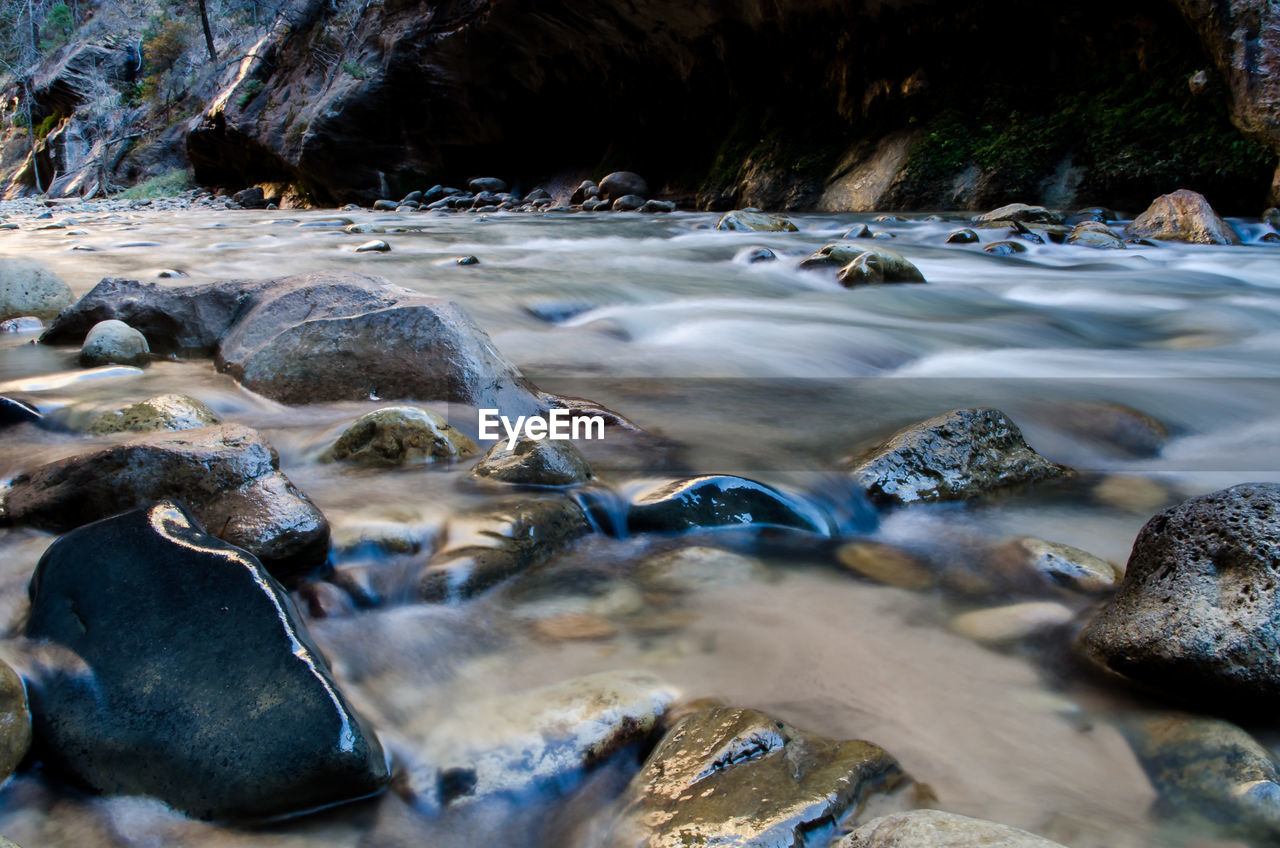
(755, 369)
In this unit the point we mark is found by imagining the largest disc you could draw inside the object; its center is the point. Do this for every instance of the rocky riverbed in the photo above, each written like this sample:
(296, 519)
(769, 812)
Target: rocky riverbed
(847, 566)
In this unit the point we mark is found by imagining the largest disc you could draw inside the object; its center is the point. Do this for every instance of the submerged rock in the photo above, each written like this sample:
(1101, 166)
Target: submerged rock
(936, 829)
(756, 221)
(227, 475)
(1183, 216)
(1197, 614)
(962, 454)
(14, 411)
(534, 462)
(317, 337)
(15, 721)
(879, 266)
(695, 569)
(541, 739)
(737, 777)
(621, 183)
(200, 685)
(162, 412)
(399, 435)
(28, 288)
(1204, 768)
(484, 548)
(720, 501)
(1020, 213)
(886, 564)
(1005, 248)
(114, 342)
(1011, 623)
(1026, 564)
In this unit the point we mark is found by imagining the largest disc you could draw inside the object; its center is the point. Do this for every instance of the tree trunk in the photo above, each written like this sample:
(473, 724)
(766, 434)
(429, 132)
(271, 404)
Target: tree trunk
(208, 32)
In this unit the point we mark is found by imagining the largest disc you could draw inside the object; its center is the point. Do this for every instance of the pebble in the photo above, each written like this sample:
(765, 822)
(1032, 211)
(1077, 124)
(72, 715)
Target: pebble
(375, 246)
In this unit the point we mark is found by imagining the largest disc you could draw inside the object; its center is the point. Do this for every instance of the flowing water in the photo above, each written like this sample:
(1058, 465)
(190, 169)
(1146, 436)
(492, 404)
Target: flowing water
(759, 369)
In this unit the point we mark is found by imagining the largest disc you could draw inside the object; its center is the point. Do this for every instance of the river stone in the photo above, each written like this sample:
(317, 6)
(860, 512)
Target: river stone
(1272, 217)
(835, 255)
(15, 722)
(200, 684)
(1020, 213)
(621, 183)
(27, 288)
(14, 411)
(162, 412)
(1011, 623)
(1113, 425)
(627, 203)
(656, 207)
(720, 501)
(1183, 216)
(1027, 564)
(725, 776)
(1269, 238)
(493, 185)
(1197, 614)
(753, 255)
(250, 198)
(886, 564)
(1094, 234)
(879, 266)
(1005, 248)
(962, 454)
(484, 548)
(965, 236)
(227, 475)
(535, 462)
(696, 569)
(515, 745)
(761, 222)
(584, 192)
(1210, 769)
(114, 342)
(399, 435)
(936, 829)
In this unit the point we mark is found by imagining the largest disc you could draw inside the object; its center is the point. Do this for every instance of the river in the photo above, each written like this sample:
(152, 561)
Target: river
(759, 369)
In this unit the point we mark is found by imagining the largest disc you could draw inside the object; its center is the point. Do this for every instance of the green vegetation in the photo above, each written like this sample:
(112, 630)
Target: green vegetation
(58, 27)
(46, 126)
(248, 91)
(355, 69)
(167, 184)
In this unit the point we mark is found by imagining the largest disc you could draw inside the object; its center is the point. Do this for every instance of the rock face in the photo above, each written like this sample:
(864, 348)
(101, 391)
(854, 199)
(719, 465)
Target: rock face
(162, 412)
(534, 462)
(199, 686)
(936, 829)
(1197, 614)
(227, 475)
(965, 453)
(316, 337)
(1183, 216)
(29, 288)
(400, 435)
(1209, 769)
(737, 777)
(720, 501)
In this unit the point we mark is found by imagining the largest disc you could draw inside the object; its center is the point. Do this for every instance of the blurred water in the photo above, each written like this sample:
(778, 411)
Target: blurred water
(759, 369)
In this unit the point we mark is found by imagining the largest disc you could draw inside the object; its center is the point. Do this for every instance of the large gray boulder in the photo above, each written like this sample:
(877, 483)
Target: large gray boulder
(194, 679)
(29, 288)
(113, 342)
(226, 475)
(962, 454)
(726, 776)
(316, 337)
(1197, 615)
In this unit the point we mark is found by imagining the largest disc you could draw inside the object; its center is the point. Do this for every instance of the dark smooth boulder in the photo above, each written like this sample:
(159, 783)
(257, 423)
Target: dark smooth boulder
(13, 411)
(1197, 615)
(720, 501)
(879, 266)
(199, 684)
(965, 236)
(584, 192)
(226, 474)
(621, 183)
(627, 203)
(725, 776)
(250, 198)
(959, 455)
(493, 185)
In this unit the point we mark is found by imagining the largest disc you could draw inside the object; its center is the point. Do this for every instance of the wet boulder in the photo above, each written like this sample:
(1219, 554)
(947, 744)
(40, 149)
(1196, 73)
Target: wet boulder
(879, 266)
(162, 412)
(15, 721)
(585, 191)
(493, 185)
(1095, 234)
(962, 454)
(755, 221)
(936, 829)
(250, 198)
(192, 678)
(1204, 769)
(835, 255)
(399, 435)
(621, 183)
(514, 745)
(1027, 565)
(965, 236)
(1005, 248)
(1019, 213)
(657, 207)
(725, 776)
(720, 501)
(627, 203)
(534, 462)
(227, 475)
(114, 343)
(14, 411)
(27, 288)
(1182, 215)
(483, 548)
(1197, 615)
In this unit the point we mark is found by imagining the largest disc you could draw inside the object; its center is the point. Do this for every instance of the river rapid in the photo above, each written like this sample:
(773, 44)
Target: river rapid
(753, 368)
